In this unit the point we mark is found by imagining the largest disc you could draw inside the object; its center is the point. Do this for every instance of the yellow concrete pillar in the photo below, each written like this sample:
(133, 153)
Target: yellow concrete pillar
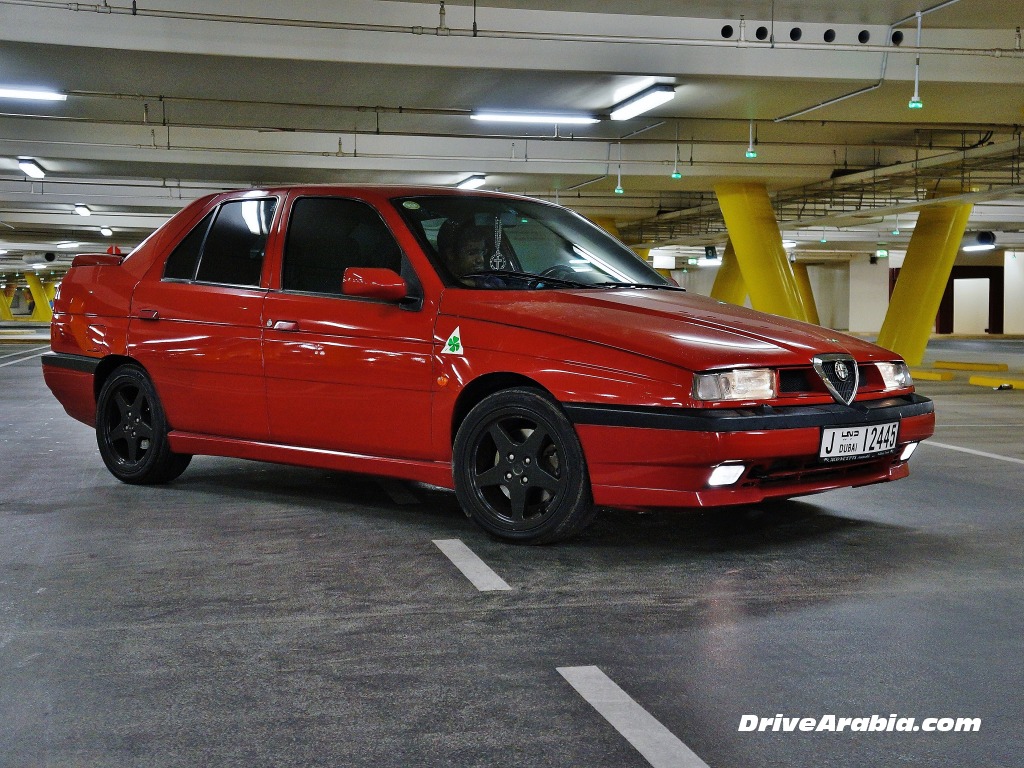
(754, 233)
(803, 284)
(915, 300)
(607, 224)
(5, 303)
(51, 291)
(729, 284)
(42, 311)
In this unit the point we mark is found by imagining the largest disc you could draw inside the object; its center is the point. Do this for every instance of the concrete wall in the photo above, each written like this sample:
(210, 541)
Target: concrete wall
(696, 280)
(970, 305)
(830, 284)
(869, 294)
(1013, 311)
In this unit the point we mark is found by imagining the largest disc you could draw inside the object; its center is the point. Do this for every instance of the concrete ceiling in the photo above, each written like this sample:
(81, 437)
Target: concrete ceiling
(182, 97)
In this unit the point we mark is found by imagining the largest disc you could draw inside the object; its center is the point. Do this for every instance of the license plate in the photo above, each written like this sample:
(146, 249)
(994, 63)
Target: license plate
(847, 443)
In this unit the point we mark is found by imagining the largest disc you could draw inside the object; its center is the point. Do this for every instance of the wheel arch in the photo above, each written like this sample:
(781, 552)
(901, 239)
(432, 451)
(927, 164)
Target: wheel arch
(487, 385)
(107, 366)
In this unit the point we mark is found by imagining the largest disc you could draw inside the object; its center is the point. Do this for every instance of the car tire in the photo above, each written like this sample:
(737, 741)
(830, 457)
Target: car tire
(519, 469)
(131, 430)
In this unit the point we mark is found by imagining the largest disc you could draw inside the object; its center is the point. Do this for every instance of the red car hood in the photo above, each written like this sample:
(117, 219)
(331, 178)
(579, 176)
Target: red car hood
(683, 329)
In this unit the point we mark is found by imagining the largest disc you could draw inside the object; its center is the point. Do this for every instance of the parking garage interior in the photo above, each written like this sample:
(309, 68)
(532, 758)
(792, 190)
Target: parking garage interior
(257, 614)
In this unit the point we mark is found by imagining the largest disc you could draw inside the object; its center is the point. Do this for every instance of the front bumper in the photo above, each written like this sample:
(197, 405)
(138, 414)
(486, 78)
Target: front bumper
(660, 457)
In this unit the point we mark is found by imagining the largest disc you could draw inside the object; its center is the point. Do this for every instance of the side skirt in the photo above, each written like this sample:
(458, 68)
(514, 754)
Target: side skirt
(433, 472)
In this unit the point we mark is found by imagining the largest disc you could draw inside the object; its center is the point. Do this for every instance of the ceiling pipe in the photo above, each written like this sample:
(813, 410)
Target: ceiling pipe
(562, 37)
(428, 111)
(886, 49)
(545, 137)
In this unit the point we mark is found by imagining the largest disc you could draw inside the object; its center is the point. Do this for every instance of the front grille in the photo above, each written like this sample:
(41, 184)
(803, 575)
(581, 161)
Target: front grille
(793, 380)
(805, 381)
(796, 471)
(840, 374)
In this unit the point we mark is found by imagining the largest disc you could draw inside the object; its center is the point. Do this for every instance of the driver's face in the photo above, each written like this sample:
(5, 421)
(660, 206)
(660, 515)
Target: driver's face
(470, 257)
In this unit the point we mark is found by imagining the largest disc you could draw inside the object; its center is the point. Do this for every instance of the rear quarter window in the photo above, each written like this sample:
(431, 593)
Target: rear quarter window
(182, 263)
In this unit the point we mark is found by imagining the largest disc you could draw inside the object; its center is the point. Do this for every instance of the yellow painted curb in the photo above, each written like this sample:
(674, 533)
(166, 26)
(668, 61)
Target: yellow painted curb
(955, 366)
(931, 375)
(995, 381)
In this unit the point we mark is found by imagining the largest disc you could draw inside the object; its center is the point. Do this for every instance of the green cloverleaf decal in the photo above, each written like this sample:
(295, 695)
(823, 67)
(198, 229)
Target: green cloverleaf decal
(453, 344)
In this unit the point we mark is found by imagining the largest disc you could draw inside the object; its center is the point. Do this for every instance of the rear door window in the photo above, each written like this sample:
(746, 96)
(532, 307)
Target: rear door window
(233, 250)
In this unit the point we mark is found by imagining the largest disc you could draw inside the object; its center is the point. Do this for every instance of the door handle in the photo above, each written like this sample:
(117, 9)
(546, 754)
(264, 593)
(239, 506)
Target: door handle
(149, 314)
(286, 325)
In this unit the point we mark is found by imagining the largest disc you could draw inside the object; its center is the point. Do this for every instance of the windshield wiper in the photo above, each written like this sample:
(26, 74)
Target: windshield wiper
(616, 284)
(527, 277)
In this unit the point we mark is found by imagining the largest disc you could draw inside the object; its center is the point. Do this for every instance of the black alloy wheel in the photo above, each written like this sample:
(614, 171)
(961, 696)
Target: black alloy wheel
(131, 430)
(519, 469)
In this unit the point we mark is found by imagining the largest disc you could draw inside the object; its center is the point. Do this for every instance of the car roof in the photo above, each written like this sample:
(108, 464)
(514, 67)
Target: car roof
(385, 190)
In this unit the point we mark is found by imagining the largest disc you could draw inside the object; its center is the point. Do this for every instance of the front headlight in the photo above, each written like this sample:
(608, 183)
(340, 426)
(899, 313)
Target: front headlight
(741, 384)
(895, 375)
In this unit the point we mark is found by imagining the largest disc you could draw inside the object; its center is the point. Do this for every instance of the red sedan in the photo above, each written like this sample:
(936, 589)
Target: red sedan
(497, 345)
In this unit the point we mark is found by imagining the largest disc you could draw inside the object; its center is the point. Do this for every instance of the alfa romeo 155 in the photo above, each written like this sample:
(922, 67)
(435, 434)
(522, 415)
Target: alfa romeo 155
(496, 345)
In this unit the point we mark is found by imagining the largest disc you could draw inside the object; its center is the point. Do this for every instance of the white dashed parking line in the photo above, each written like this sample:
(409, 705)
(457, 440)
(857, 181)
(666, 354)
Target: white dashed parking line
(650, 738)
(472, 567)
(22, 360)
(21, 352)
(973, 452)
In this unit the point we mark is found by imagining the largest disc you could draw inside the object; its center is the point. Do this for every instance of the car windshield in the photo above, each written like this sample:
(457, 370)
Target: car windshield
(488, 242)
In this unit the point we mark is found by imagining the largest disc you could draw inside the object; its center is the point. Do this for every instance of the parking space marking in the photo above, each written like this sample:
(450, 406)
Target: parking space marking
(472, 567)
(654, 741)
(22, 360)
(23, 352)
(977, 426)
(973, 452)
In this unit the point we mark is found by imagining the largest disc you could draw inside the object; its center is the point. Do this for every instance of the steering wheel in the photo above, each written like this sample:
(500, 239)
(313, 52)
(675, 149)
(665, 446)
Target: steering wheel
(559, 272)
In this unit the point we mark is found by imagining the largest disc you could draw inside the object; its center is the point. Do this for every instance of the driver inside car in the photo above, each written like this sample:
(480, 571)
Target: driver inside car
(467, 249)
(470, 252)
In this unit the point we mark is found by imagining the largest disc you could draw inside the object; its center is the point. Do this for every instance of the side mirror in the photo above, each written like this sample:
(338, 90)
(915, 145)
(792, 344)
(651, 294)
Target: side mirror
(374, 283)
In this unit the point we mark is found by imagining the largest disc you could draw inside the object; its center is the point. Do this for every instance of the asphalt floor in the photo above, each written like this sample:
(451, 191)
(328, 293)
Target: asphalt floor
(259, 615)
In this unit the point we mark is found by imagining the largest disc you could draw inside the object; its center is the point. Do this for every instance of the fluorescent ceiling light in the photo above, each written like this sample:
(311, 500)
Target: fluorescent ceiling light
(645, 100)
(789, 244)
(106, 231)
(32, 94)
(31, 168)
(526, 117)
(69, 245)
(83, 210)
(979, 241)
(472, 182)
(631, 89)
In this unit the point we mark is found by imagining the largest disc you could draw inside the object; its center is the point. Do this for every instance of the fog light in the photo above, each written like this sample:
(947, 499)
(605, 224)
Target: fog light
(908, 451)
(727, 474)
